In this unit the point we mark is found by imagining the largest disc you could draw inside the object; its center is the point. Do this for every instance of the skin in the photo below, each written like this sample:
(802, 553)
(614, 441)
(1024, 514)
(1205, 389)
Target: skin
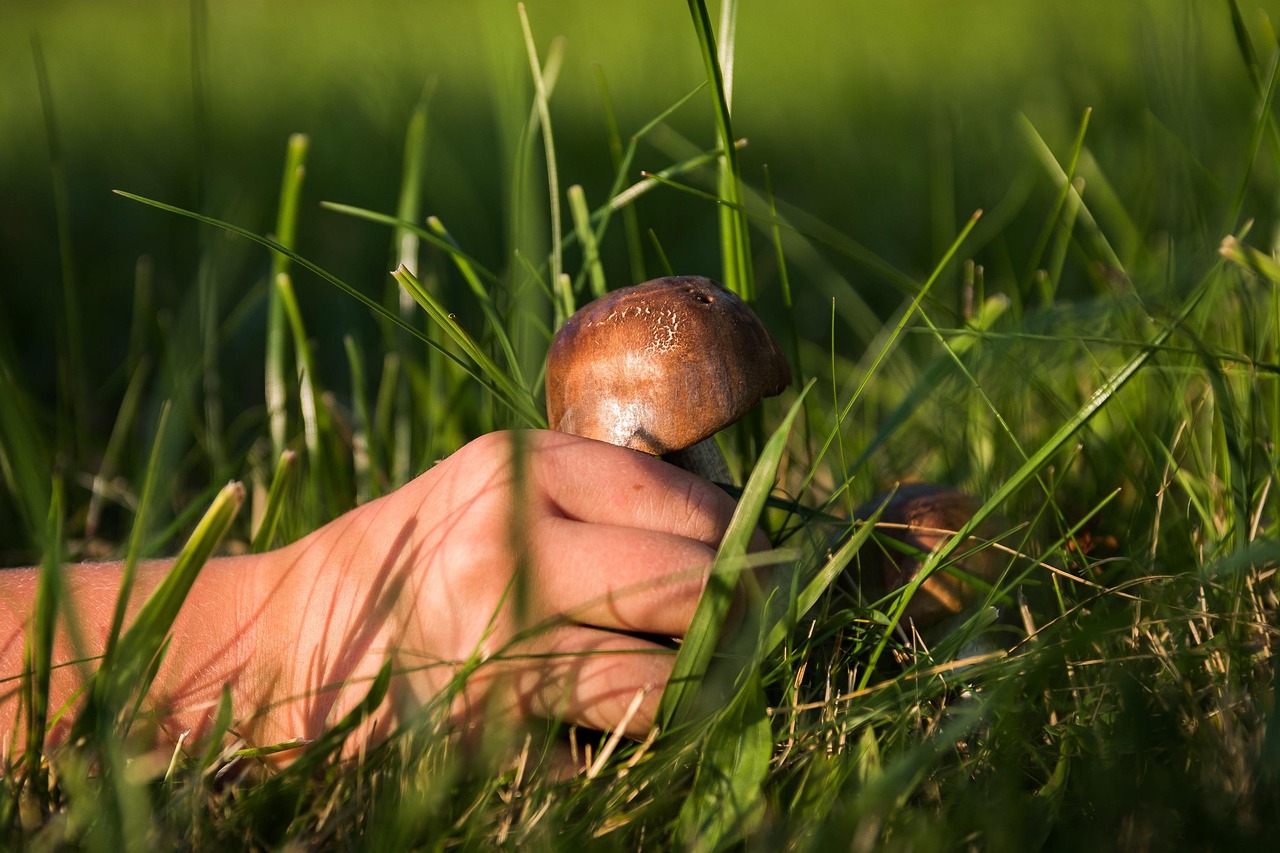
(613, 543)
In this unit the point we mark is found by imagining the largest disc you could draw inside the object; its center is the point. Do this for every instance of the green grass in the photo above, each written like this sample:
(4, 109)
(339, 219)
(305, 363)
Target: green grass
(1096, 356)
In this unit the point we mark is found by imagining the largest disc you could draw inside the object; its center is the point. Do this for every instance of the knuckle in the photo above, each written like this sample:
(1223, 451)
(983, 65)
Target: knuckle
(699, 509)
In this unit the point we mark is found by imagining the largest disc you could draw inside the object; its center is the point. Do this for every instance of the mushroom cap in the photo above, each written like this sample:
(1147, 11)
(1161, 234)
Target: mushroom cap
(660, 366)
(924, 516)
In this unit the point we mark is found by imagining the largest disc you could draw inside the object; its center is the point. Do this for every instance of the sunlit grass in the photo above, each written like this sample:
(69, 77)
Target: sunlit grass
(1102, 378)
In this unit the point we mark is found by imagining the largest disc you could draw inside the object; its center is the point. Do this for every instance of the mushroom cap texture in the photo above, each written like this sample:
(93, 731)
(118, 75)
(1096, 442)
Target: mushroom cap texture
(660, 366)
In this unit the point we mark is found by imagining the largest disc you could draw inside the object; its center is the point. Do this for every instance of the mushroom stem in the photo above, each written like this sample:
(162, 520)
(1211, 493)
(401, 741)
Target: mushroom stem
(703, 459)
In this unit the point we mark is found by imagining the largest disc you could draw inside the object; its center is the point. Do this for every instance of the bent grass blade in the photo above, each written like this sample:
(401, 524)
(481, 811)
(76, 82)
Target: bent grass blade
(280, 480)
(507, 387)
(708, 619)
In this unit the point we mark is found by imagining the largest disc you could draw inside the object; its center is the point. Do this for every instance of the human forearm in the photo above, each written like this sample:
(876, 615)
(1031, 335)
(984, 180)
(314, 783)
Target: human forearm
(295, 634)
(214, 635)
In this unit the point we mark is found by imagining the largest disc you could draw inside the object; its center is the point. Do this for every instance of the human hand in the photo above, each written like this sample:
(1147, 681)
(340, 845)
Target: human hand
(548, 577)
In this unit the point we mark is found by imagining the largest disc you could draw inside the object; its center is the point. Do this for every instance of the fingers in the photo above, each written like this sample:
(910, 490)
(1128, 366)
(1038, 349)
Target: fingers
(619, 577)
(617, 542)
(591, 678)
(599, 483)
(631, 538)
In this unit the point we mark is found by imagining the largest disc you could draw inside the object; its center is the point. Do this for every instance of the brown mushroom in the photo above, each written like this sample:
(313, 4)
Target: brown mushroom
(923, 517)
(661, 367)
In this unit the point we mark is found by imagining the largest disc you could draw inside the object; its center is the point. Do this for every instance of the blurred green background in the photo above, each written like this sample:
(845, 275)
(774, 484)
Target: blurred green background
(890, 121)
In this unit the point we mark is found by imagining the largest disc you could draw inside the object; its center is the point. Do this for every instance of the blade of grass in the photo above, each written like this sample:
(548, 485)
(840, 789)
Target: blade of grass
(208, 298)
(1061, 243)
(406, 245)
(181, 521)
(542, 104)
(1248, 258)
(139, 650)
(115, 444)
(497, 323)
(621, 165)
(137, 535)
(519, 396)
(39, 647)
(412, 184)
(799, 376)
(277, 335)
(481, 281)
(587, 239)
(221, 723)
(1055, 220)
(708, 619)
(784, 281)
(286, 786)
(1254, 69)
(953, 353)
(987, 315)
(837, 428)
(435, 234)
(1236, 437)
(98, 794)
(265, 535)
(384, 414)
(472, 273)
(1101, 246)
(810, 228)
(803, 600)
(362, 438)
(1127, 235)
(1263, 122)
(315, 419)
(725, 803)
(735, 245)
(25, 457)
(295, 171)
(1265, 267)
(663, 261)
(71, 360)
(890, 343)
(1245, 46)
(621, 199)
(621, 195)
(649, 180)
(726, 42)
(143, 315)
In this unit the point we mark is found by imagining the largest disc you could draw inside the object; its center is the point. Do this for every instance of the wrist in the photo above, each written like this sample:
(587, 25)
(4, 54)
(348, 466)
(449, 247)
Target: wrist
(267, 681)
(326, 627)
